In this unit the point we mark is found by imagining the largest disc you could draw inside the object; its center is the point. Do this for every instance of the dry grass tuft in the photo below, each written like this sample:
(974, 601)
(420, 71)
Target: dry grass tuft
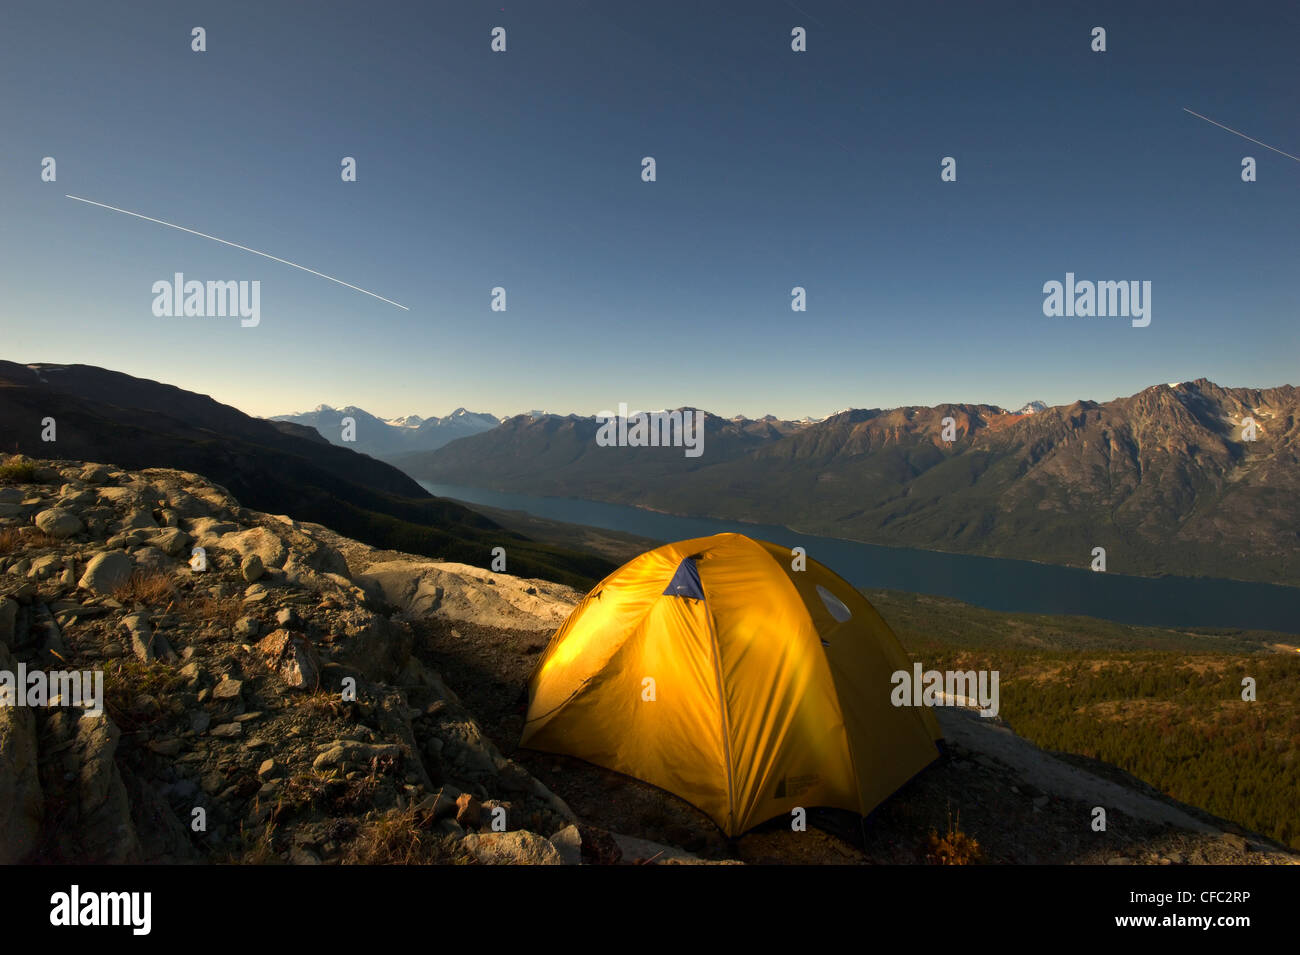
(19, 538)
(399, 837)
(149, 587)
(223, 611)
(321, 703)
(257, 848)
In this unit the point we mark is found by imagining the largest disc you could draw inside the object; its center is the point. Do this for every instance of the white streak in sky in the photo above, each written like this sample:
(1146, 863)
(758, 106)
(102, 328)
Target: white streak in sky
(236, 245)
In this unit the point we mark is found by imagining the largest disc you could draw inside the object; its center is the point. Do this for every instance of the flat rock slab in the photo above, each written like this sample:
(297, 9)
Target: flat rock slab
(1053, 776)
(472, 594)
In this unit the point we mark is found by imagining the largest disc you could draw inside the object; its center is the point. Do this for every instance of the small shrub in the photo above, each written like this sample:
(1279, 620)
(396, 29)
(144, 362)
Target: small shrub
(954, 847)
(17, 470)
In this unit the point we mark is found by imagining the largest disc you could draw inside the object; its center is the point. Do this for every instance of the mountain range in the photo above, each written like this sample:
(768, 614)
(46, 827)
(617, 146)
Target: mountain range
(1166, 480)
(1188, 478)
(276, 466)
(384, 437)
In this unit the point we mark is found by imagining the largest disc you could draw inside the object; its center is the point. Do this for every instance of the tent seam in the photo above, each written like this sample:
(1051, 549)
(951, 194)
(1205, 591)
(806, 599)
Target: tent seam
(835, 687)
(582, 686)
(722, 708)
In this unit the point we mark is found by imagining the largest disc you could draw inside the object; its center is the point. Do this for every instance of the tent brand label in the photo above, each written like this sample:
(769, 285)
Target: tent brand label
(683, 428)
(131, 909)
(794, 785)
(946, 688)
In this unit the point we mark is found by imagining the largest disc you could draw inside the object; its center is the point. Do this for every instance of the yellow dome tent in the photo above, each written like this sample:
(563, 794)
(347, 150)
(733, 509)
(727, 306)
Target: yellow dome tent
(714, 670)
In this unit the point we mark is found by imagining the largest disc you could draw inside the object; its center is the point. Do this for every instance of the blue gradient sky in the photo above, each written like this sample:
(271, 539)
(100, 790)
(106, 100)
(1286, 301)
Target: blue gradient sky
(775, 170)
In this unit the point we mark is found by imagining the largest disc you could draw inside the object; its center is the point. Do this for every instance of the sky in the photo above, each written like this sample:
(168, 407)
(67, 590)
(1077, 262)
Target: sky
(775, 169)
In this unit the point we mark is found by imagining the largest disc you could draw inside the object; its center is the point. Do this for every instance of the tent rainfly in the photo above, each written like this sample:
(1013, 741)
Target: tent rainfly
(714, 669)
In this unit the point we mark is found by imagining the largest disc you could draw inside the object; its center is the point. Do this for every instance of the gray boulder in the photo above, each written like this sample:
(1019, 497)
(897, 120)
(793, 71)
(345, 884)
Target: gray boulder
(106, 572)
(252, 568)
(152, 559)
(59, 522)
(172, 541)
(568, 843)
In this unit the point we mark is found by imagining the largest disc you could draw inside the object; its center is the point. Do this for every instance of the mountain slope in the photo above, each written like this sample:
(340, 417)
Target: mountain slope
(102, 415)
(554, 455)
(1162, 479)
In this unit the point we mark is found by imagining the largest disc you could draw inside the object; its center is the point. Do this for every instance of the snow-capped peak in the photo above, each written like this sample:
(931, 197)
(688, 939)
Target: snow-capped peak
(1032, 407)
(407, 421)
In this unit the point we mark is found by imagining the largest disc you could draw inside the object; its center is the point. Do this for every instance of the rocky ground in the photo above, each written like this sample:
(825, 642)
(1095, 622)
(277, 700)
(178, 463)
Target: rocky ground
(228, 735)
(289, 698)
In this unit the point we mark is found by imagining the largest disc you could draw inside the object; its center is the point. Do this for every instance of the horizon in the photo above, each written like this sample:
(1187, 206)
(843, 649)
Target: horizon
(755, 417)
(752, 417)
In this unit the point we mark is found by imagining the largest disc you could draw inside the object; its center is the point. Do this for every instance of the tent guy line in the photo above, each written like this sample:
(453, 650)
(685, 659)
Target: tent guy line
(236, 245)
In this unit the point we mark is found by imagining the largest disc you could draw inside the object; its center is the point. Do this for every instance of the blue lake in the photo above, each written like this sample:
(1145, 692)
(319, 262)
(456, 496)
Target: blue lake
(992, 582)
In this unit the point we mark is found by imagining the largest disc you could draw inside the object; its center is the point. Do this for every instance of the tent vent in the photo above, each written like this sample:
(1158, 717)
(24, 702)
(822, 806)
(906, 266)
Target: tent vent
(686, 581)
(834, 604)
